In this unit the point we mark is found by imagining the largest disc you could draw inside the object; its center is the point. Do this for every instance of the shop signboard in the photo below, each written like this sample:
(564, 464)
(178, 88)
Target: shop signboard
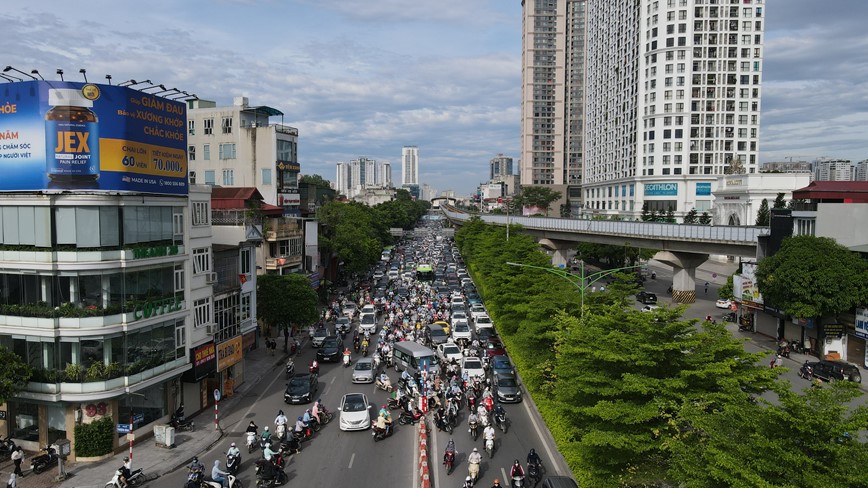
(861, 324)
(703, 189)
(661, 189)
(229, 353)
(288, 199)
(60, 135)
(744, 286)
(204, 360)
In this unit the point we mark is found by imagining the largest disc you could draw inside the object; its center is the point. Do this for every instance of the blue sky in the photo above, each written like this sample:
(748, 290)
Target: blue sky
(365, 77)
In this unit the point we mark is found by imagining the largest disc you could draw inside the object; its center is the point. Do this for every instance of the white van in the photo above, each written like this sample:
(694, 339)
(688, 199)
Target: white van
(412, 356)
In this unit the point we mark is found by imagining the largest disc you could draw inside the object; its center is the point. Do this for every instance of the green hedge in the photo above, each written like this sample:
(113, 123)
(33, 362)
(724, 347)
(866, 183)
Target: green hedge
(96, 438)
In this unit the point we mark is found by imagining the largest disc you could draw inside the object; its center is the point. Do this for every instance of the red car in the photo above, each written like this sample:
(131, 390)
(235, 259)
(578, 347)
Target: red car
(494, 348)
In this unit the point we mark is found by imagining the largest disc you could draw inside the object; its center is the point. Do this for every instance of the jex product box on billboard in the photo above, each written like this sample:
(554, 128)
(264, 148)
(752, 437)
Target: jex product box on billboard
(87, 136)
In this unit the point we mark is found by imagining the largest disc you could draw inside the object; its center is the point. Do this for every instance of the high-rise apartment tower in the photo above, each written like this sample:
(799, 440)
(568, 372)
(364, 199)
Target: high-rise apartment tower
(409, 165)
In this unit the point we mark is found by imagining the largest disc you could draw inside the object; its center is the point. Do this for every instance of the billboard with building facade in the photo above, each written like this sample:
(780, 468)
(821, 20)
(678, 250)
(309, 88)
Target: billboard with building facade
(58, 135)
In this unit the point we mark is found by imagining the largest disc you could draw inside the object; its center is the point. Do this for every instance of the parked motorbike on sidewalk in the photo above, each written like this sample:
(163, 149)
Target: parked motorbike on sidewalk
(797, 346)
(181, 423)
(44, 461)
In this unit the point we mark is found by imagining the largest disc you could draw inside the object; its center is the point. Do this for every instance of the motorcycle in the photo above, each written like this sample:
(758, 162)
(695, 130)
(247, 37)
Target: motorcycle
(474, 430)
(806, 371)
(728, 317)
(489, 447)
(137, 477)
(268, 475)
(380, 434)
(534, 473)
(313, 368)
(745, 327)
(45, 461)
(409, 419)
(7, 447)
(384, 385)
(797, 346)
(231, 480)
(449, 461)
(517, 481)
(290, 368)
(280, 432)
(303, 435)
(251, 442)
(394, 404)
(365, 348)
(473, 472)
(501, 422)
(181, 423)
(784, 350)
(346, 360)
(264, 441)
(233, 463)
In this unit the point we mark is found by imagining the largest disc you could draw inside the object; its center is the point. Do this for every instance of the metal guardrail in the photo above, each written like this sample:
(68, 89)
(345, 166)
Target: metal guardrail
(652, 230)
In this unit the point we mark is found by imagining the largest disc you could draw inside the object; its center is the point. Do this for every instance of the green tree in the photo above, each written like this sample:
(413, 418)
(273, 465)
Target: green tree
(284, 301)
(780, 202)
(14, 374)
(539, 196)
(623, 377)
(354, 232)
(315, 180)
(566, 210)
(725, 291)
(647, 215)
(798, 441)
(691, 216)
(763, 215)
(811, 277)
(670, 216)
(705, 219)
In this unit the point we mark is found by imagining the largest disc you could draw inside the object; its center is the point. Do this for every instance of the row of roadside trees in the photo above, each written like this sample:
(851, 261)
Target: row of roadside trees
(654, 399)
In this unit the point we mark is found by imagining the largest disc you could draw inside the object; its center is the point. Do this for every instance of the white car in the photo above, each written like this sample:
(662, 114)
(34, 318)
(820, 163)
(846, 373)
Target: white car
(460, 331)
(368, 309)
(458, 318)
(355, 412)
(476, 310)
(457, 301)
(350, 309)
(448, 351)
(368, 323)
(456, 295)
(723, 304)
(483, 321)
(378, 275)
(649, 308)
(473, 367)
(393, 274)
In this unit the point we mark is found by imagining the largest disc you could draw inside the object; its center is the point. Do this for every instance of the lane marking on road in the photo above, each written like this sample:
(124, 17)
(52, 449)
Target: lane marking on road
(333, 380)
(539, 433)
(503, 473)
(352, 458)
(247, 412)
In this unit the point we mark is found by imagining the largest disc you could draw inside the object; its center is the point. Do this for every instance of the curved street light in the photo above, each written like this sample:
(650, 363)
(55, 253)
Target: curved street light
(576, 280)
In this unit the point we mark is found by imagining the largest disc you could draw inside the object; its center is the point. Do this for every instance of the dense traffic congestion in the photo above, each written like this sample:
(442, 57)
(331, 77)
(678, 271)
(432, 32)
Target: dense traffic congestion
(416, 329)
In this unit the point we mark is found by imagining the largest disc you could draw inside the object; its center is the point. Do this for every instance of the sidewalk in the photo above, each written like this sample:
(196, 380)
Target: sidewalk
(156, 461)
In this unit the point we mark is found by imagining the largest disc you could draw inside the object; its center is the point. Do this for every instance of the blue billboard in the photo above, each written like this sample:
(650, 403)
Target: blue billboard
(661, 189)
(703, 189)
(58, 135)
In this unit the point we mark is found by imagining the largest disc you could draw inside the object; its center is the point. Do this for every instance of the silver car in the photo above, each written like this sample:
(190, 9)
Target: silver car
(363, 371)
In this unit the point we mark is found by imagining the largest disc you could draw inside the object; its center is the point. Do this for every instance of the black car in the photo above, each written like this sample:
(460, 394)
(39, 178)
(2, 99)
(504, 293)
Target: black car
(646, 297)
(501, 365)
(301, 388)
(330, 351)
(828, 370)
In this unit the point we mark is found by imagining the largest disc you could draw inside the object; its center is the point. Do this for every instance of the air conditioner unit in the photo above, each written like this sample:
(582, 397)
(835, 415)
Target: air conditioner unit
(211, 278)
(209, 329)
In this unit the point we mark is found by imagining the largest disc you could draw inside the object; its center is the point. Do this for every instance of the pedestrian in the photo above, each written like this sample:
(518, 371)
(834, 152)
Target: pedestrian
(13, 481)
(779, 361)
(17, 457)
(706, 288)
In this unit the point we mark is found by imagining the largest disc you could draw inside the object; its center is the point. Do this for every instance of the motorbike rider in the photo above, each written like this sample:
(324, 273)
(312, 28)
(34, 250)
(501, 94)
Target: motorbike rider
(440, 419)
(496, 484)
(266, 435)
(347, 353)
(233, 452)
(383, 424)
(516, 470)
(468, 483)
(218, 474)
(488, 433)
(314, 411)
(450, 448)
(197, 470)
(473, 460)
(299, 425)
(280, 419)
(533, 457)
(385, 381)
(499, 413)
(179, 413)
(268, 453)
(314, 366)
(306, 417)
(252, 427)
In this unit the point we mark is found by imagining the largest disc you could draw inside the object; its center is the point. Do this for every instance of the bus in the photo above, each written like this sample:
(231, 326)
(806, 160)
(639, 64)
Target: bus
(424, 272)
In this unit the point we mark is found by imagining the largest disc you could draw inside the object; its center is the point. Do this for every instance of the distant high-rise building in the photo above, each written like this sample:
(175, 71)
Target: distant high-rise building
(862, 170)
(632, 102)
(342, 179)
(409, 165)
(386, 174)
(833, 170)
(500, 165)
(553, 53)
(372, 172)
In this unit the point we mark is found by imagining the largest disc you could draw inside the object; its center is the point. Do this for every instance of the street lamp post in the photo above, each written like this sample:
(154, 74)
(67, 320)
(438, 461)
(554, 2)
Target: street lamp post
(576, 280)
(130, 435)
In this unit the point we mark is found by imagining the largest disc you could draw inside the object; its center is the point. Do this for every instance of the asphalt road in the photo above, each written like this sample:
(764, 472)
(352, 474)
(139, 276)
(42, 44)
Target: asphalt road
(336, 458)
